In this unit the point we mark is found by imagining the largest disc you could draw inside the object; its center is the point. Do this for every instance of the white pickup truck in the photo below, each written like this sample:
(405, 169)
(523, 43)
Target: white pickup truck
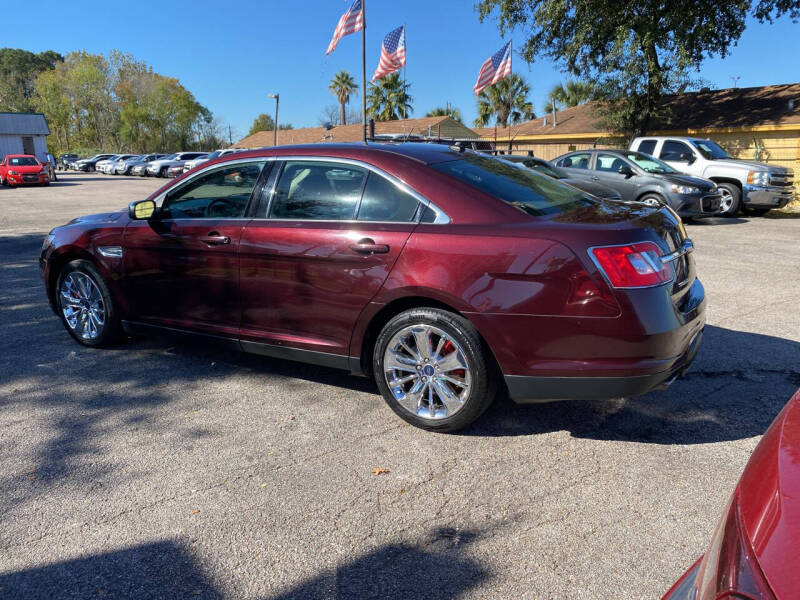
(748, 185)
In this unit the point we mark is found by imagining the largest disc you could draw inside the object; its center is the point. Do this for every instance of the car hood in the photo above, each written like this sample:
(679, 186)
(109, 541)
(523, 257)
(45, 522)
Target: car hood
(108, 217)
(698, 182)
(751, 165)
(769, 500)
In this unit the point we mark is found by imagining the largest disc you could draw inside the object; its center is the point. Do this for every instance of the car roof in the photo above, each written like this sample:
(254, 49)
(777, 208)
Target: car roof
(419, 152)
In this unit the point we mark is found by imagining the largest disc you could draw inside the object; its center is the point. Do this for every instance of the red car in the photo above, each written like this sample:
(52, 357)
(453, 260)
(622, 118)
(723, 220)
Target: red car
(19, 169)
(753, 554)
(445, 274)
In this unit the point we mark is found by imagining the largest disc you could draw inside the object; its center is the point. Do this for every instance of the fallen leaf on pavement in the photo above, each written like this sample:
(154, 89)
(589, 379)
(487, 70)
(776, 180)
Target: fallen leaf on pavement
(380, 471)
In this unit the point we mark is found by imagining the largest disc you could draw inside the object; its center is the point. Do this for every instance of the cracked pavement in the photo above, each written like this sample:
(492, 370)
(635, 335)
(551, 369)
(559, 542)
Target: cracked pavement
(156, 470)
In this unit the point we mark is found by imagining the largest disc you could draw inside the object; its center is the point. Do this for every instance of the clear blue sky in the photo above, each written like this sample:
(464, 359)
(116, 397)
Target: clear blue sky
(230, 55)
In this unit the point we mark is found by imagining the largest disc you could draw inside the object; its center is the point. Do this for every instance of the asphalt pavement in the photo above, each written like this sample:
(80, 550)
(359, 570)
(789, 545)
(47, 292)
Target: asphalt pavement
(163, 470)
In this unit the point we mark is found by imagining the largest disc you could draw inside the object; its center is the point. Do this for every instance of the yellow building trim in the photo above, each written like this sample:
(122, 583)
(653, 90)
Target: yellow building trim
(681, 132)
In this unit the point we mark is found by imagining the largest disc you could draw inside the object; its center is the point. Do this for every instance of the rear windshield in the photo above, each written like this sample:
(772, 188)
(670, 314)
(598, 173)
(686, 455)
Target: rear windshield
(23, 161)
(518, 186)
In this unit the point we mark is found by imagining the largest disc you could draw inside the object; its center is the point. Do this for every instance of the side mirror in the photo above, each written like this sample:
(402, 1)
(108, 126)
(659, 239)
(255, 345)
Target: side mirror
(141, 210)
(687, 157)
(626, 170)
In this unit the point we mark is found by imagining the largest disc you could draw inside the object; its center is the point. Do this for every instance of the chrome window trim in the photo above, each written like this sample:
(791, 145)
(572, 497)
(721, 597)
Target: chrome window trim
(441, 217)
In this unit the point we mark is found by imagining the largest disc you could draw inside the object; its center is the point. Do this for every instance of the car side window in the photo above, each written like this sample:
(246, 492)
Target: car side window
(647, 147)
(317, 190)
(672, 150)
(609, 163)
(579, 160)
(384, 201)
(219, 193)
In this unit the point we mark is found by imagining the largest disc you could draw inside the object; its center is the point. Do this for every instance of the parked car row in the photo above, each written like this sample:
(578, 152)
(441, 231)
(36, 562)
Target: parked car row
(693, 176)
(142, 165)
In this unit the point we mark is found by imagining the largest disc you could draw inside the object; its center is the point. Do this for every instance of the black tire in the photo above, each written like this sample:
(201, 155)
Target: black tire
(163, 172)
(731, 191)
(90, 169)
(481, 370)
(755, 212)
(653, 199)
(111, 331)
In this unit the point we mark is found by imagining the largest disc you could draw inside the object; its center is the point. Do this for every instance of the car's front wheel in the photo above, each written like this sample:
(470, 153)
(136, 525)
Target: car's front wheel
(433, 369)
(731, 197)
(652, 199)
(86, 306)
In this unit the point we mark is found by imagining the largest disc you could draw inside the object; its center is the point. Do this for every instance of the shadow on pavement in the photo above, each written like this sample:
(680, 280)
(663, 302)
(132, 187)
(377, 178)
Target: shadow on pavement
(435, 569)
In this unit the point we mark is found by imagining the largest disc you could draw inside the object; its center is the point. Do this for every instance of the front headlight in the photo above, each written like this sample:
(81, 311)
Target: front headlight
(48, 240)
(758, 177)
(685, 189)
(10, 172)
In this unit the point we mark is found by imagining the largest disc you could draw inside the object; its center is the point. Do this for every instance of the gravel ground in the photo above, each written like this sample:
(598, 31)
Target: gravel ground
(156, 470)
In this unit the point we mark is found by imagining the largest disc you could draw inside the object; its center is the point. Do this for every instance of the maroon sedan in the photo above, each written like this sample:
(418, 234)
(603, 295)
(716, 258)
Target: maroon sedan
(753, 554)
(445, 274)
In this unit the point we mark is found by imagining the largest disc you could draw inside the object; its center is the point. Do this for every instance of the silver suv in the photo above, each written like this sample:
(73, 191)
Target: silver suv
(159, 168)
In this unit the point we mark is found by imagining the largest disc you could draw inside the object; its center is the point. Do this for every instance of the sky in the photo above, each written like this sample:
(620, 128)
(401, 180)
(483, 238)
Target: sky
(231, 55)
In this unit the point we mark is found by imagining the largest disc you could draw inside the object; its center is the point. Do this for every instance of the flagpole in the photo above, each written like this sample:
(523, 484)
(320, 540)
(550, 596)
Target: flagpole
(364, 69)
(405, 64)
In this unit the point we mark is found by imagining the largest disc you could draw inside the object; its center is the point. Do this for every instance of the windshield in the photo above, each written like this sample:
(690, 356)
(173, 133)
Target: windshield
(522, 188)
(709, 149)
(648, 163)
(22, 161)
(214, 154)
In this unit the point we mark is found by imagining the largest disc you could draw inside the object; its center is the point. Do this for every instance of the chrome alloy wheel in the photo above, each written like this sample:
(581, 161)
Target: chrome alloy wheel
(726, 200)
(82, 305)
(427, 371)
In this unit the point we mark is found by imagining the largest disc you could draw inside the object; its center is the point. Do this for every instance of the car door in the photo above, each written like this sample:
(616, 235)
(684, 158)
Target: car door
(576, 164)
(181, 267)
(323, 242)
(606, 172)
(677, 155)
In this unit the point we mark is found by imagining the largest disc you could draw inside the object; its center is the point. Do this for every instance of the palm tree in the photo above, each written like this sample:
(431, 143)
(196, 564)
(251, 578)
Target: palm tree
(445, 111)
(343, 86)
(507, 100)
(389, 99)
(571, 94)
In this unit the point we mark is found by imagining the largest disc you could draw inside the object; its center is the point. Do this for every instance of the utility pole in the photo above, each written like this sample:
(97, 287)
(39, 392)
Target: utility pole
(230, 135)
(275, 132)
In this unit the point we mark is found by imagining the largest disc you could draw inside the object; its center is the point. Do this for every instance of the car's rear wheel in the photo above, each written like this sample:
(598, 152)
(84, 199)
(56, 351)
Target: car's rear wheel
(163, 172)
(731, 197)
(433, 369)
(86, 306)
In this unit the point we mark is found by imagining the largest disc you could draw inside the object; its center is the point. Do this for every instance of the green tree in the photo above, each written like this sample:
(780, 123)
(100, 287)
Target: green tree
(636, 51)
(18, 72)
(388, 99)
(343, 86)
(445, 111)
(264, 122)
(568, 95)
(507, 101)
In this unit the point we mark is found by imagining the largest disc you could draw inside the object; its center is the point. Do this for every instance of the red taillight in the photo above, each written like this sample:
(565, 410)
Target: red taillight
(729, 569)
(632, 266)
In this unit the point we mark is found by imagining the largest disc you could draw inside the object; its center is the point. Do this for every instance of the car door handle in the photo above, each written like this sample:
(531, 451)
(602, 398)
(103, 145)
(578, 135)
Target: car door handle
(368, 246)
(215, 239)
(595, 178)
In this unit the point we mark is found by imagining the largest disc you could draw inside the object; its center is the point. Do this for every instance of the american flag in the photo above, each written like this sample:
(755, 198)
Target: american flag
(497, 66)
(393, 53)
(350, 22)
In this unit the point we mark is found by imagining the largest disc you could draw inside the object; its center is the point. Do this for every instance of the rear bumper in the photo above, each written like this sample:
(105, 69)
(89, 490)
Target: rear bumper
(766, 197)
(531, 389)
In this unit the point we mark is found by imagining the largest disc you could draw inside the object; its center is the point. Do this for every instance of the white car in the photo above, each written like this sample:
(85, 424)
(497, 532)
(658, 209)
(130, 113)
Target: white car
(191, 164)
(159, 168)
(109, 165)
